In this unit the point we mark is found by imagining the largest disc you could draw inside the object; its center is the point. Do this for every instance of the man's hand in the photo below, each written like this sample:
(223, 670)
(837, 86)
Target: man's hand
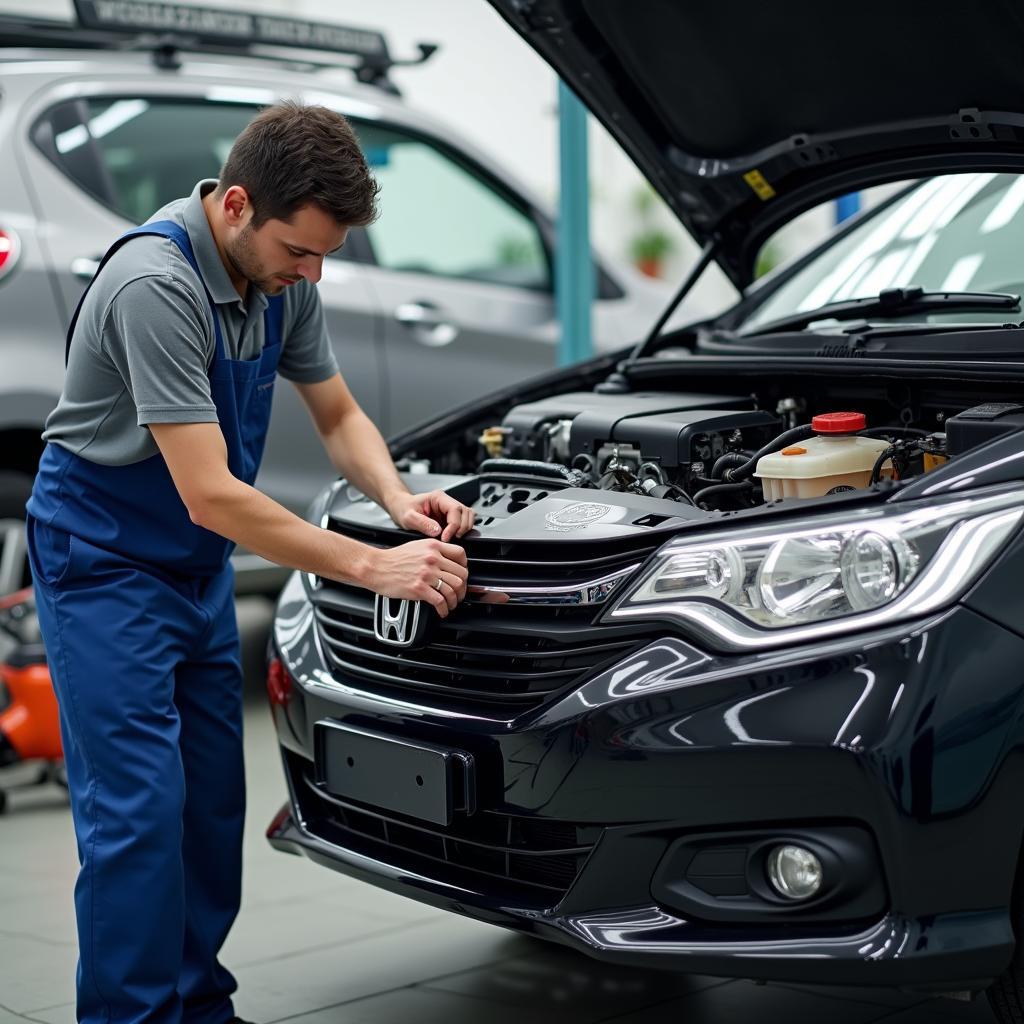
(361, 456)
(434, 513)
(413, 570)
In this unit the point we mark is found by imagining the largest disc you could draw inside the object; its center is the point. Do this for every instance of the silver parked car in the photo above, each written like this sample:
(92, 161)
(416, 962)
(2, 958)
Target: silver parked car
(447, 297)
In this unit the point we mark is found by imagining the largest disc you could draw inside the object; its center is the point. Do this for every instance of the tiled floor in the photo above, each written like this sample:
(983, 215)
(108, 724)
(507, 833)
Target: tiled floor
(313, 947)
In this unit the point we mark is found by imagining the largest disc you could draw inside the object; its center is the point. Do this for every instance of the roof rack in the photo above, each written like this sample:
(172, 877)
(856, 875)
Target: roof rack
(165, 29)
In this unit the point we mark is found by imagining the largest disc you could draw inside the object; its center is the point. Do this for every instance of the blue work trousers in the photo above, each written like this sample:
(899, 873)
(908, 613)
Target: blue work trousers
(146, 669)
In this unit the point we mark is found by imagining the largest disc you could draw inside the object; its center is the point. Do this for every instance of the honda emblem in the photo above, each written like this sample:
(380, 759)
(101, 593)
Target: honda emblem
(396, 621)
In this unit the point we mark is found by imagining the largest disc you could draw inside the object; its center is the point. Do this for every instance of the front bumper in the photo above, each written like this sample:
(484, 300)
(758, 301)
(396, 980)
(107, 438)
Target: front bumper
(932, 953)
(905, 736)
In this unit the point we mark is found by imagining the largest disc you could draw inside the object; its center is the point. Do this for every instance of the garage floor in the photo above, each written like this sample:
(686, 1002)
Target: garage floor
(311, 946)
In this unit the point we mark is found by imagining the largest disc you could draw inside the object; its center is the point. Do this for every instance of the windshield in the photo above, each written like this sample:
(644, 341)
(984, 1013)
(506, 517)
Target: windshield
(958, 232)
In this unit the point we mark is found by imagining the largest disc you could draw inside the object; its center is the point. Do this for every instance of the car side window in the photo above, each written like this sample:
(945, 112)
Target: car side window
(440, 216)
(135, 154)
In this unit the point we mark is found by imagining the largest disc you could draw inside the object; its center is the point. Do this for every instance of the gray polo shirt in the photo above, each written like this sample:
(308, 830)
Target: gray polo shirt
(145, 341)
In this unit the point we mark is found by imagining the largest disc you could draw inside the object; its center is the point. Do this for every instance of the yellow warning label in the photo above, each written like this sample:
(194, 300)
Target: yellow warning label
(756, 180)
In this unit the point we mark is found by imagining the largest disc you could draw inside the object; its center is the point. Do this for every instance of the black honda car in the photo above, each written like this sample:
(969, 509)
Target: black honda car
(737, 688)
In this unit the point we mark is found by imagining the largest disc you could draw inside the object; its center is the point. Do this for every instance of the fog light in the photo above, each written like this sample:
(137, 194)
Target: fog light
(794, 872)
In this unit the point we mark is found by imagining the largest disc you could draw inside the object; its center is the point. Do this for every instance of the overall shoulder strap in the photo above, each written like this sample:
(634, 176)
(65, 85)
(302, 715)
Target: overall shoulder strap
(165, 229)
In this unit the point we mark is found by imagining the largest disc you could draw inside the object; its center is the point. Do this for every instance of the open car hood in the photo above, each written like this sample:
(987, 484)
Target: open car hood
(743, 115)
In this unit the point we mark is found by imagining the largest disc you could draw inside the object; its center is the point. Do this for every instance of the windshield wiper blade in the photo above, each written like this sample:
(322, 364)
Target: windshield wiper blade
(893, 302)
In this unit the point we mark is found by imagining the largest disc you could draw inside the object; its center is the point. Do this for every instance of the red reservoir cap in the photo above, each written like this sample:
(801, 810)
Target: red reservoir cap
(839, 422)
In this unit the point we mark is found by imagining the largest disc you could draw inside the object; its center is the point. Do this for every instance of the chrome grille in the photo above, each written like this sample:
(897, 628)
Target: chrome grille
(507, 654)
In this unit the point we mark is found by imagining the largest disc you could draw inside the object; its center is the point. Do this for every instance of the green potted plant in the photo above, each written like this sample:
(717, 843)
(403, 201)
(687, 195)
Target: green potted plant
(649, 249)
(651, 245)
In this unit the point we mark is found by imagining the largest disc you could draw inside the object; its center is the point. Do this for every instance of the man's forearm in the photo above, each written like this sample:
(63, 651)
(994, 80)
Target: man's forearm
(361, 455)
(259, 524)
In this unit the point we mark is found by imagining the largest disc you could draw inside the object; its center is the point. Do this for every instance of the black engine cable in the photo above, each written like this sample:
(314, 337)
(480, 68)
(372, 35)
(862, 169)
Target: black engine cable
(747, 467)
(700, 498)
(888, 453)
(895, 431)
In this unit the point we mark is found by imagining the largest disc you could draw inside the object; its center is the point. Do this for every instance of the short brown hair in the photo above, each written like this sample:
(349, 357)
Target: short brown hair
(290, 155)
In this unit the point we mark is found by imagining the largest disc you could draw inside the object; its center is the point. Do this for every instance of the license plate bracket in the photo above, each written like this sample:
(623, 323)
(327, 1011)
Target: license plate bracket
(411, 777)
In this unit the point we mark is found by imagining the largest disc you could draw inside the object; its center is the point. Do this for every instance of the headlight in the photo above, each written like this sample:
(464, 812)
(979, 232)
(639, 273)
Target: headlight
(774, 585)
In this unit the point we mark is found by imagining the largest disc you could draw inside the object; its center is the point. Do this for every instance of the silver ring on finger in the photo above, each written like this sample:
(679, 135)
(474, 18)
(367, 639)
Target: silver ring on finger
(438, 584)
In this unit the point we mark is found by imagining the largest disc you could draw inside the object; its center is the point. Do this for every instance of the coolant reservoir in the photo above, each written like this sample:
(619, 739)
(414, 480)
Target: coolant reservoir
(836, 459)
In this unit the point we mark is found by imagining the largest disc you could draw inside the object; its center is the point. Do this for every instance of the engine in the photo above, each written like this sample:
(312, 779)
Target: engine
(708, 452)
(590, 465)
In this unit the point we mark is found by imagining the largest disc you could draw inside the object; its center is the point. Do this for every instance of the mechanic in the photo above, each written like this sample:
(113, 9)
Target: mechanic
(144, 488)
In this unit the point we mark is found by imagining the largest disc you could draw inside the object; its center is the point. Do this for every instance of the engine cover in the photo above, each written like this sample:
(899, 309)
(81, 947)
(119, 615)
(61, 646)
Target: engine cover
(530, 426)
(677, 438)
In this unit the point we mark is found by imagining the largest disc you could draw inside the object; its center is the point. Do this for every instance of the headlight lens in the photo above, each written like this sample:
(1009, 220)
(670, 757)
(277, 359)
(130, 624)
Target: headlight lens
(771, 585)
(715, 572)
(803, 579)
(871, 569)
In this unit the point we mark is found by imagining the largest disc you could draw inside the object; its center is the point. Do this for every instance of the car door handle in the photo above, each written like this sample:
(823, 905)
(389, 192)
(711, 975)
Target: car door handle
(428, 326)
(84, 267)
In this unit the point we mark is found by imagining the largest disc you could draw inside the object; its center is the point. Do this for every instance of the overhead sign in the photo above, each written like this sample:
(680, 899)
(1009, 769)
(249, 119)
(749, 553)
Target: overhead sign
(218, 25)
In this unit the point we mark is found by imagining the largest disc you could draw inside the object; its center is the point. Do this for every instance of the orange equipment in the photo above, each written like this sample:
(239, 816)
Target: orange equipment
(29, 725)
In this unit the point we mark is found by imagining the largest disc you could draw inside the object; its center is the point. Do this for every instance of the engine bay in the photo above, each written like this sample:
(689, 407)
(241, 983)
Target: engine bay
(586, 463)
(709, 452)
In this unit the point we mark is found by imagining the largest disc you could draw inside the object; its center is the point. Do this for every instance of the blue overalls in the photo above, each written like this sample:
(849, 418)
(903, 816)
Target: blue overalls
(136, 609)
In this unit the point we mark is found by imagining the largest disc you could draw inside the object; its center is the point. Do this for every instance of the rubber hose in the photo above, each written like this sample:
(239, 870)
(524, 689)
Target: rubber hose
(726, 460)
(734, 488)
(876, 470)
(780, 442)
(905, 431)
(572, 477)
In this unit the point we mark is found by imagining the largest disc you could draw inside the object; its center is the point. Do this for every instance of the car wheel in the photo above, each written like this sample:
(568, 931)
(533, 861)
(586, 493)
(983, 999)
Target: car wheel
(14, 569)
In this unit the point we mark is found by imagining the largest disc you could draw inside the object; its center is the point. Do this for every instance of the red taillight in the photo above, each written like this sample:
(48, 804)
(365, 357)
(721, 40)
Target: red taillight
(279, 819)
(9, 249)
(279, 683)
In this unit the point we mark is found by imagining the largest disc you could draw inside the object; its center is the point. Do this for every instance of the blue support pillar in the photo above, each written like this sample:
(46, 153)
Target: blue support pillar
(574, 269)
(847, 206)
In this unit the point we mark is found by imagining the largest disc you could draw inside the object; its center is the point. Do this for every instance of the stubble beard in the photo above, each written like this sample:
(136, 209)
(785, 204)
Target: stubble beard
(242, 255)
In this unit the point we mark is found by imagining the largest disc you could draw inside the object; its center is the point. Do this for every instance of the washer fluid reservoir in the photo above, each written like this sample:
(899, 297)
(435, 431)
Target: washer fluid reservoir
(836, 459)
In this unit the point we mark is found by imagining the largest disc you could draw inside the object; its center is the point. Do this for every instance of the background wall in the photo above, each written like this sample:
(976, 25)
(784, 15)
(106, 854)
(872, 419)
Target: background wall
(497, 91)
